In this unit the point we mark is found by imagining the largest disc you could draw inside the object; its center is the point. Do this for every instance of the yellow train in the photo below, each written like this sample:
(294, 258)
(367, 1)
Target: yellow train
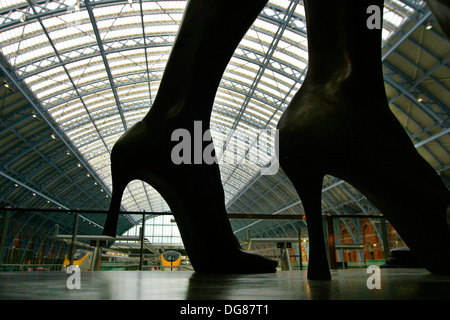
(81, 258)
(170, 259)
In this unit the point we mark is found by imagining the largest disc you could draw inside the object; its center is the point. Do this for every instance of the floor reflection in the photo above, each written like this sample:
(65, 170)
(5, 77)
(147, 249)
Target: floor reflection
(396, 284)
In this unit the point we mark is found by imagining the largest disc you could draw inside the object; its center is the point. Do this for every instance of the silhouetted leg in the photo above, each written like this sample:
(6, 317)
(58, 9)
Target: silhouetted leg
(340, 122)
(208, 36)
(209, 33)
(441, 11)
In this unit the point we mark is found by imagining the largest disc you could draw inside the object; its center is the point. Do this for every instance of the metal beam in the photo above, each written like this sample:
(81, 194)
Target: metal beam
(406, 35)
(412, 98)
(32, 190)
(432, 138)
(146, 54)
(47, 161)
(68, 75)
(267, 58)
(105, 61)
(43, 196)
(54, 128)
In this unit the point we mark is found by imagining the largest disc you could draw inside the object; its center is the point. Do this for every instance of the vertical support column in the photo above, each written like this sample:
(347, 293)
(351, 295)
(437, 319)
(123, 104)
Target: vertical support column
(74, 238)
(141, 251)
(325, 237)
(141, 235)
(4, 235)
(384, 235)
(96, 264)
(94, 257)
(300, 248)
(56, 230)
(331, 244)
(285, 257)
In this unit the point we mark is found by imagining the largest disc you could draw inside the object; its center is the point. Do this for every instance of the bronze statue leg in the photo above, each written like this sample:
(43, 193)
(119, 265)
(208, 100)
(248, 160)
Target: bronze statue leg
(209, 33)
(339, 123)
(441, 11)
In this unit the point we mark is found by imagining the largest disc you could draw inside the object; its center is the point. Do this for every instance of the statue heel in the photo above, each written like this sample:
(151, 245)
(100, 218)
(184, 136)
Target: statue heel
(119, 185)
(307, 179)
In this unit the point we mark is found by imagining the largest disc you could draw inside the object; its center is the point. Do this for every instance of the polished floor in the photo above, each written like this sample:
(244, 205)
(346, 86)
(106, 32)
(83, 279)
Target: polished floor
(395, 284)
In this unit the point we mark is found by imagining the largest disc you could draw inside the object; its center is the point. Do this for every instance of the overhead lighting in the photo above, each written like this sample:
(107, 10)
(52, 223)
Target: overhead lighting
(428, 25)
(23, 17)
(53, 137)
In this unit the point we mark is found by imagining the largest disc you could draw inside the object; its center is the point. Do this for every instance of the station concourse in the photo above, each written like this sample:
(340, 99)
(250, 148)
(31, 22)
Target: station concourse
(75, 75)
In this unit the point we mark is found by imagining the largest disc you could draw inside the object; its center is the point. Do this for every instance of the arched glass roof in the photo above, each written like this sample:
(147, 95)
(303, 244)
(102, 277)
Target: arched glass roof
(92, 69)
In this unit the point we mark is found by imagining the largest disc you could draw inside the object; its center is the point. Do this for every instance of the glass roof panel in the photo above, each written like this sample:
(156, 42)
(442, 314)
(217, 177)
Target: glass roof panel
(10, 3)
